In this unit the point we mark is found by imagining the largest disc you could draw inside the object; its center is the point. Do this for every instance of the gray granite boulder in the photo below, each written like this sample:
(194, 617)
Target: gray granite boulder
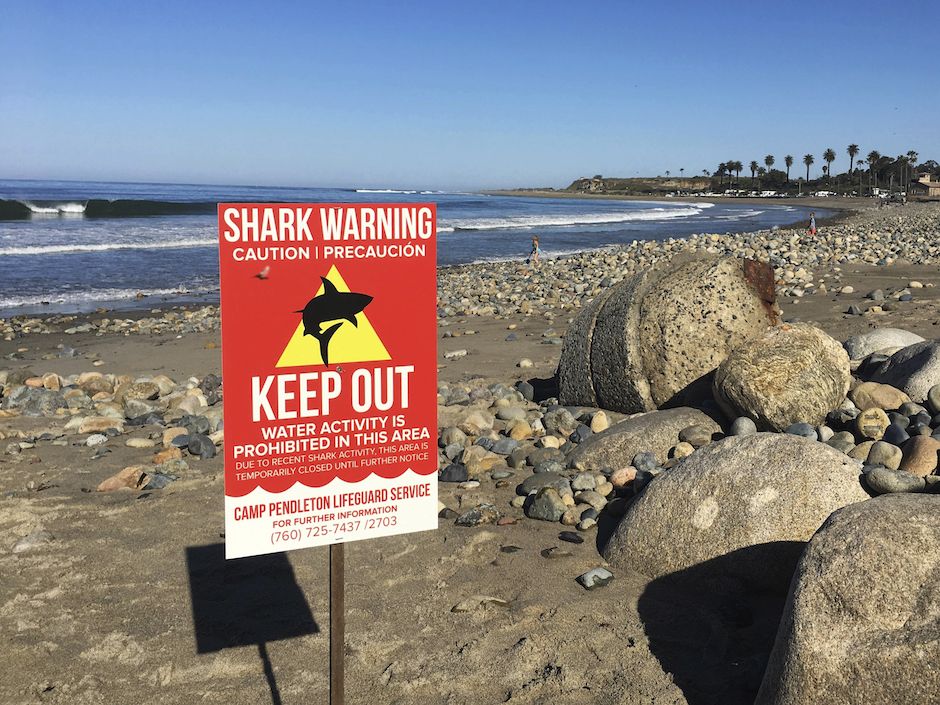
(861, 346)
(862, 620)
(792, 373)
(656, 432)
(913, 370)
(655, 338)
(745, 505)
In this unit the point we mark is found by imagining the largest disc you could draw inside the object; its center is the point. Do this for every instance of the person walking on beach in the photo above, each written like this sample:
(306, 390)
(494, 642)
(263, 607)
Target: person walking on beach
(535, 253)
(812, 223)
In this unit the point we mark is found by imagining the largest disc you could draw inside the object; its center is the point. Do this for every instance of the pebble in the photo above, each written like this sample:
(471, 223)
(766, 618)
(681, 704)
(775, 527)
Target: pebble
(595, 578)
(886, 454)
(896, 435)
(455, 354)
(140, 443)
(525, 363)
(570, 537)
(547, 505)
(645, 462)
(35, 538)
(696, 435)
(872, 423)
(95, 439)
(479, 515)
(885, 481)
(806, 430)
(743, 426)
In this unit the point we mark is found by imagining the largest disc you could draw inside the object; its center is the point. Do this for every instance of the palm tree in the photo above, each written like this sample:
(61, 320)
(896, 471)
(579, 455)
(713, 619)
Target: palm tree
(667, 173)
(873, 157)
(706, 173)
(753, 166)
(829, 156)
(912, 158)
(769, 161)
(681, 172)
(859, 163)
(737, 167)
(788, 160)
(808, 160)
(852, 149)
(722, 168)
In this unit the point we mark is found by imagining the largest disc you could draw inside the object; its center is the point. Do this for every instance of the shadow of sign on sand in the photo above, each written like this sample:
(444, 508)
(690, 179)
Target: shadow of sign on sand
(245, 602)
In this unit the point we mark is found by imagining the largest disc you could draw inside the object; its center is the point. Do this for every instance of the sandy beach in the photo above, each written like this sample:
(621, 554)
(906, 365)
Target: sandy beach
(125, 593)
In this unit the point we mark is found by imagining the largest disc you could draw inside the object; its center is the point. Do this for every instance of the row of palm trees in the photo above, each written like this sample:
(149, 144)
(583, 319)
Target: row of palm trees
(907, 161)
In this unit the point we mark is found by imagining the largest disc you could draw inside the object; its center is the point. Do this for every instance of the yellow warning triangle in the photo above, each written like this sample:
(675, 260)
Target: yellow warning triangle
(359, 343)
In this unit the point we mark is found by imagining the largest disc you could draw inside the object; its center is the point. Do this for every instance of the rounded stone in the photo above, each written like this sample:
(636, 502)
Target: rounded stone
(802, 429)
(654, 338)
(872, 423)
(870, 395)
(933, 399)
(895, 435)
(843, 441)
(790, 373)
(920, 456)
(696, 435)
(882, 453)
(743, 426)
(682, 450)
(721, 510)
(885, 481)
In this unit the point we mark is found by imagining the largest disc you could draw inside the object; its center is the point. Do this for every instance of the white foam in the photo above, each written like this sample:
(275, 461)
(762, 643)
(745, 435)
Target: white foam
(105, 247)
(57, 209)
(567, 220)
(81, 297)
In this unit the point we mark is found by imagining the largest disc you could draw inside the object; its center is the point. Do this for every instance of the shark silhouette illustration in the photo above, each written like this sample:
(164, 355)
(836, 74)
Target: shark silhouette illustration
(331, 305)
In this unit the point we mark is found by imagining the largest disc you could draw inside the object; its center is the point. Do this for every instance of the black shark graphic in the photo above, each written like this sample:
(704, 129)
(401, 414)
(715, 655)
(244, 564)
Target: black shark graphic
(331, 305)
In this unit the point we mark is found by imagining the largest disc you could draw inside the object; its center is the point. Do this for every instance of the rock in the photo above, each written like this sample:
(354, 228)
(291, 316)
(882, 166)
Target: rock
(885, 454)
(592, 498)
(696, 435)
(455, 472)
(35, 538)
(584, 481)
(790, 373)
(571, 537)
(524, 363)
(95, 439)
(130, 478)
(933, 399)
(920, 456)
(479, 515)
(31, 401)
(861, 626)
(861, 346)
(137, 390)
(805, 430)
(533, 483)
(511, 413)
(599, 422)
(743, 507)
(139, 443)
(455, 354)
(871, 395)
(546, 505)
(842, 441)
(872, 423)
(595, 578)
(656, 431)
(201, 446)
(861, 451)
(622, 477)
(895, 434)
(166, 455)
(520, 430)
(681, 450)
(913, 370)
(743, 426)
(884, 481)
(99, 424)
(653, 340)
(452, 436)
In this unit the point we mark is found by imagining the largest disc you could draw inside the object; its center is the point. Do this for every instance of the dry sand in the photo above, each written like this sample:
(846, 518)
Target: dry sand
(132, 603)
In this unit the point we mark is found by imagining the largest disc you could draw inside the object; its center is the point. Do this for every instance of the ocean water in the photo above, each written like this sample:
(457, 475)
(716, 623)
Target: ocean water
(74, 246)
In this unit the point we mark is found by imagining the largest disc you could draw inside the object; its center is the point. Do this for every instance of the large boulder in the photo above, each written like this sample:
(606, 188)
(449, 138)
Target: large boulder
(789, 374)
(655, 432)
(913, 370)
(654, 339)
(745, 505)
(862, 621)
(861, 346)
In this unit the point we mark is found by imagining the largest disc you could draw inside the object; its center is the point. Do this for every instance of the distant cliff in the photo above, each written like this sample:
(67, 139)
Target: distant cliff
(599, 184)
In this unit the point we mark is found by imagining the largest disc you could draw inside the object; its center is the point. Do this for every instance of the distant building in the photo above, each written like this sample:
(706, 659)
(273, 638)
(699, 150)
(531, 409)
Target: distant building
(926, 186)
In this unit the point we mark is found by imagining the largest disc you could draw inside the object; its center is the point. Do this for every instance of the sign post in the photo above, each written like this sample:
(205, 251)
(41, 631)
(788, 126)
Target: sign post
(329, 363)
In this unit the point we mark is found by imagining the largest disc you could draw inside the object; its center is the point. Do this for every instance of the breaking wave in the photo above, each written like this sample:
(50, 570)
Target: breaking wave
(105, 247)
(96, 295)
(101, 208)
(568, 220)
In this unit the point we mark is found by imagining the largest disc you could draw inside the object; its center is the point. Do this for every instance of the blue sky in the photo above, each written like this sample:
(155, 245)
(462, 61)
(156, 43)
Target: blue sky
(455, 95)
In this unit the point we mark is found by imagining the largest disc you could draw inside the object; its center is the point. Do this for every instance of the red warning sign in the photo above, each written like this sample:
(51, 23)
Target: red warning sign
(329, 365)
